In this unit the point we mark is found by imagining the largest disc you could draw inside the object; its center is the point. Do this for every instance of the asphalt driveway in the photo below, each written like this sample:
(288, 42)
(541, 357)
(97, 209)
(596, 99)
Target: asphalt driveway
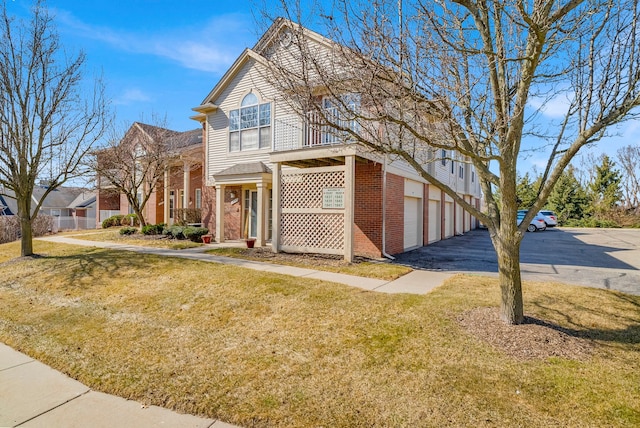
(603, 258)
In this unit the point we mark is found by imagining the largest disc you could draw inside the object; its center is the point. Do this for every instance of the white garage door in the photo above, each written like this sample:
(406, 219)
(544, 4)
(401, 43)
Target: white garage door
(434, 221)
(448, 219)
(412, 230)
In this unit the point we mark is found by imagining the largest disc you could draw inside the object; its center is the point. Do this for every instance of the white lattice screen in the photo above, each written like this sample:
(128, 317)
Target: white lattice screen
(304, 225)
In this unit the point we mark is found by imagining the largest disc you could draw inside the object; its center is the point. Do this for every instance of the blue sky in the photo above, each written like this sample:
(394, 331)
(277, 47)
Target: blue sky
(163, 57)
(157, 56)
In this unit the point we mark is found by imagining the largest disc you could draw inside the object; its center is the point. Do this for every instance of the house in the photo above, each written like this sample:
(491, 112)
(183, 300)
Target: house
(273, 175)
(178, 193)
(71, 207)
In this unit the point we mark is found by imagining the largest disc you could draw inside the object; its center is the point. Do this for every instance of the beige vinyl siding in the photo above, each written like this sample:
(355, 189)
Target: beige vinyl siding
(247, 79)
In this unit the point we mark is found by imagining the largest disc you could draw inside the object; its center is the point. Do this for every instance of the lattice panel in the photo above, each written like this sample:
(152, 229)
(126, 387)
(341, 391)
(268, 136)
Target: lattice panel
(309, 230)
(304, 190)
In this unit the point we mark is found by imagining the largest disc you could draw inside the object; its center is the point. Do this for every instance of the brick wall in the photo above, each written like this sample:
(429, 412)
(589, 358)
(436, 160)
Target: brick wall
(232, 211)
(395, 214)
(368, 210)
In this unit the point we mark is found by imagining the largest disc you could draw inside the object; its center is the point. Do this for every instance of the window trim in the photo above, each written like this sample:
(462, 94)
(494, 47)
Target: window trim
(238, 124)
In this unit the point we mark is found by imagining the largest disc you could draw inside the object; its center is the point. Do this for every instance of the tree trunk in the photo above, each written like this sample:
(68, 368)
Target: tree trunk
(26, 237)
(507, 246)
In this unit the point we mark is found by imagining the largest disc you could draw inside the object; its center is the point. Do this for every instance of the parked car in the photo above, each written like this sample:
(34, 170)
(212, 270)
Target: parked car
(550, 218)
(537, 223)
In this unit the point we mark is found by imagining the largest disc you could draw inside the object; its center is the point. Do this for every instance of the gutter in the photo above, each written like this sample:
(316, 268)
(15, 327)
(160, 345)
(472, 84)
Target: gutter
(384, 211)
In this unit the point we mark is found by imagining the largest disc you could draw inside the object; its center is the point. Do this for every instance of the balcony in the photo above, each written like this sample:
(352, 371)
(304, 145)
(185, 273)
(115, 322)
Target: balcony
(293, 133)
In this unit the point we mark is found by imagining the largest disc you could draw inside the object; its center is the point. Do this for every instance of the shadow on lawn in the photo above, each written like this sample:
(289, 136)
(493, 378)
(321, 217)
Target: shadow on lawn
(97, 263)
(629, 334)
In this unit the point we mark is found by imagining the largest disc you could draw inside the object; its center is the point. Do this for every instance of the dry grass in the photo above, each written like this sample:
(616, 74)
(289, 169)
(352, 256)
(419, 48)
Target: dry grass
(113, 235)
(258, 349)
(360, 267)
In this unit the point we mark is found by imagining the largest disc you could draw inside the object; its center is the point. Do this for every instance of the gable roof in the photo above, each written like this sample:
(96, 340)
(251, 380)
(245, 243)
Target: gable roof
(60, 198)
(255, 53)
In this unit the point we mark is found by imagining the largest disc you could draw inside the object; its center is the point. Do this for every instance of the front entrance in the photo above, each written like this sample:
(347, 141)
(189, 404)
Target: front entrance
(251, 213)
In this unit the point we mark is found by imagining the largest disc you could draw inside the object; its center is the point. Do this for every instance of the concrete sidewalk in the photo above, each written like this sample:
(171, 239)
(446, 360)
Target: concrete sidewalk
(34, 395)
(416, 282)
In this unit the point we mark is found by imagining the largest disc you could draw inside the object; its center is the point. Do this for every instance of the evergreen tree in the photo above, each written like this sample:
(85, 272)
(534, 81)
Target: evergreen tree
(569, 199)
(605, 188)
(527, 191)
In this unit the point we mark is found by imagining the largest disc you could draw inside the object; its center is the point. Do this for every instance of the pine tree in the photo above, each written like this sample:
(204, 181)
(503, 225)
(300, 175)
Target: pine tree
(569, 199)
(605, 188)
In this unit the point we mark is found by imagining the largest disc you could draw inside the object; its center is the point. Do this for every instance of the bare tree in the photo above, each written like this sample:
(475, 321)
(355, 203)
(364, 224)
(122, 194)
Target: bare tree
(629, 160)
(414, 79)
(133, 162)
(47, 125)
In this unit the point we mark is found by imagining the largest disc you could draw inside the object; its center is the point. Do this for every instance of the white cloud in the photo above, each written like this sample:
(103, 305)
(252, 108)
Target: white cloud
(554, 108)
(210, 47)
(132, 95)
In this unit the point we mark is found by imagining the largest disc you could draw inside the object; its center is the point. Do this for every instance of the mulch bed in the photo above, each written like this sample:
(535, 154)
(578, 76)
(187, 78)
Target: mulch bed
(534, 339)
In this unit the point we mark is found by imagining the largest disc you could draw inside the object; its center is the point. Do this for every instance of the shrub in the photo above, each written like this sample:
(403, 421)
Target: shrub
(42, 225)
(9, 228)
(153, 229)
(128, 230)
(129, 220)
(176, 232)
(114, 220)
(195, 233)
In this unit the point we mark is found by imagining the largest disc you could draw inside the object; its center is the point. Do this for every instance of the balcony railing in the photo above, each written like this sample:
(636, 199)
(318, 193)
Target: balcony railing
(292, 133)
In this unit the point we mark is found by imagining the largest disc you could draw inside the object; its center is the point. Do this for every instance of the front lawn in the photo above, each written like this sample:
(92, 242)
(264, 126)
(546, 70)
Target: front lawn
(265, 350)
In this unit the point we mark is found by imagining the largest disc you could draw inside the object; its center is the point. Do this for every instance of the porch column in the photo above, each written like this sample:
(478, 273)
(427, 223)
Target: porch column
(276, 210)
(219, 213)
(186, 176)
(349, 195)
(165, 220)
(260, 233)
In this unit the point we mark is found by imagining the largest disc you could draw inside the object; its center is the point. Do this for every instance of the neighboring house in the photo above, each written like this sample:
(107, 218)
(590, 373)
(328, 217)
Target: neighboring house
(178, 195)
(72, 207)
(272, 176)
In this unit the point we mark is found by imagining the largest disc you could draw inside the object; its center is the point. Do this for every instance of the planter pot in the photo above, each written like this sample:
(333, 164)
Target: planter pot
(206, 239)
(250, 243)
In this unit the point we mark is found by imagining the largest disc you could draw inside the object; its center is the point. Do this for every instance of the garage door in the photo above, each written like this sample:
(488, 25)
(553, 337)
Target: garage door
(434, 221)
(411, 222)
(448, 219)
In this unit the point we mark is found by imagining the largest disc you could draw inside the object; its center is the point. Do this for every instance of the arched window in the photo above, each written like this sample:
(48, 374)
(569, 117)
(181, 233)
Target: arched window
(250, 125)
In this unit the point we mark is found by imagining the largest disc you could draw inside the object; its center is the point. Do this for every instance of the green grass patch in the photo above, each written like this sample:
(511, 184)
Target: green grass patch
(259, 349)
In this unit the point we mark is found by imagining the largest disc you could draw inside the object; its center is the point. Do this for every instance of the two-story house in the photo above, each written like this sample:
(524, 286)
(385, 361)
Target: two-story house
(177, 193)
(281, 178)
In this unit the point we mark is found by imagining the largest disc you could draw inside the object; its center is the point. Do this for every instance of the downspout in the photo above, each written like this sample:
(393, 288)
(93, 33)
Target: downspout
(384, 210)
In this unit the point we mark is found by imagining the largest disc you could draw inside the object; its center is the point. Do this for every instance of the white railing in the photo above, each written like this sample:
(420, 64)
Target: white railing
(291, 133)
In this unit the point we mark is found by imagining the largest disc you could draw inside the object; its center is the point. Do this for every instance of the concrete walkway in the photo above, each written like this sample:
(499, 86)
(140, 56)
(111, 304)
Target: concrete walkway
(415, 282)
(35, 395)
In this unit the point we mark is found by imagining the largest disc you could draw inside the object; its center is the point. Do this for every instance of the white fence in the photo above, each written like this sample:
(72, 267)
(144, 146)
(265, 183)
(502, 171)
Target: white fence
(73, 223)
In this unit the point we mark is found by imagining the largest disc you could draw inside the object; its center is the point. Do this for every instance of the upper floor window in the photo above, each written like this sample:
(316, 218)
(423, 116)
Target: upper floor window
(461, 171)
(443, 159)
(250, 125)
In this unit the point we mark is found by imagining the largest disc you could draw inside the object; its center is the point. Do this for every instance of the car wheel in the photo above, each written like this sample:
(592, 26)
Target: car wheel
(532, 228)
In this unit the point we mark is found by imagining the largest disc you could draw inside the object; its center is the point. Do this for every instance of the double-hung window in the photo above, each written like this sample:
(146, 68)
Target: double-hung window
(443, 157)
(250, 125)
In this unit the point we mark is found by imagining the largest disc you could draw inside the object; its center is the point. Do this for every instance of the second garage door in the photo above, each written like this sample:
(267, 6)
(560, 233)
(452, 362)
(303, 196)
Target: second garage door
(412, 220)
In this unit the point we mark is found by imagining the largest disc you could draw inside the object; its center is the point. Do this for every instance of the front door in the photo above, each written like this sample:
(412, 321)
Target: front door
(253, 230)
